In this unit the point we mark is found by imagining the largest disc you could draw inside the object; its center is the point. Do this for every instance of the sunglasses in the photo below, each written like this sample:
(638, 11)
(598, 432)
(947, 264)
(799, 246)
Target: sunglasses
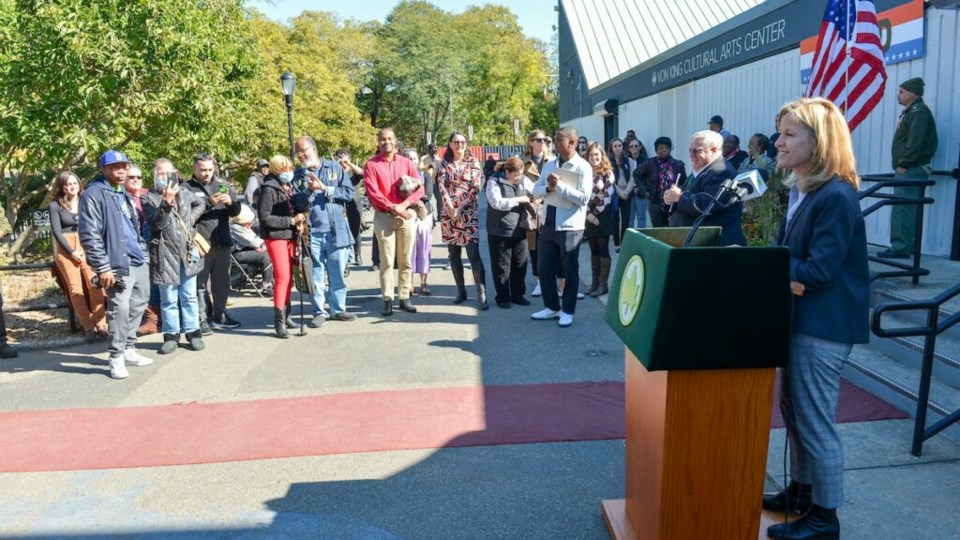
(539, 140)
(134, 178)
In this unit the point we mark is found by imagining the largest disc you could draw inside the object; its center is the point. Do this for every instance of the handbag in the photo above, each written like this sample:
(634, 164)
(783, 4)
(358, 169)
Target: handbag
(199, 242)
(528, 218)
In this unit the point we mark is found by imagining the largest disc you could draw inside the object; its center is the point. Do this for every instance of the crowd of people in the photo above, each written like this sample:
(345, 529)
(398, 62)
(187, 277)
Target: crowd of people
(137, 260)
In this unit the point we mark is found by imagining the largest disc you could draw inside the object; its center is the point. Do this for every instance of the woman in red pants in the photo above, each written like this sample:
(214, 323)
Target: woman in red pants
(279, 223)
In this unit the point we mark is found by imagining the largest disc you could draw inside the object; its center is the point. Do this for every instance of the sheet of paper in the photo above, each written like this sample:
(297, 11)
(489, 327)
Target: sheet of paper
(570, 180)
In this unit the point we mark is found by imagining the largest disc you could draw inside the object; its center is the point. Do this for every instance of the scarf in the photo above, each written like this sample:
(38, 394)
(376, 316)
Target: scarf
(600, 195)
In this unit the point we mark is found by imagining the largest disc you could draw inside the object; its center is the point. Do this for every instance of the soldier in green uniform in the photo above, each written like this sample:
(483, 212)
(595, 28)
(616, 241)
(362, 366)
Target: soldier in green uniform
(914, 143)
(6, 351)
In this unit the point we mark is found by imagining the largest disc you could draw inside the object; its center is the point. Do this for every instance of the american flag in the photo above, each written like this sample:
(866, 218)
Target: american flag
(848, 65)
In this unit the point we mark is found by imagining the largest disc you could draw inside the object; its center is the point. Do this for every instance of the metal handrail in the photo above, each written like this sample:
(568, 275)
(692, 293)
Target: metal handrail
(911, 270)
(930, 331)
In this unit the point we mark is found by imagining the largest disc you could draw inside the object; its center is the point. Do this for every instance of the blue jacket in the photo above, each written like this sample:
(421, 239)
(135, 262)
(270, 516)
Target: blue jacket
(828, 255)
(102, 232)
(328, 207)
(687, 209)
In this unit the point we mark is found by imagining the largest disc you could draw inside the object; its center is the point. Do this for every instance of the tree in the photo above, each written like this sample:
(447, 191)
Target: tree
(152, 77)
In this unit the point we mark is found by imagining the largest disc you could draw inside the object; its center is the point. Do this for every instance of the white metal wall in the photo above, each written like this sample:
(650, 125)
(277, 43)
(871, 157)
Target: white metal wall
(748, 97)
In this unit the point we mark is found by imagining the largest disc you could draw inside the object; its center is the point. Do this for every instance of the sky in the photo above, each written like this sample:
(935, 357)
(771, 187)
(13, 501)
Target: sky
(536, 17)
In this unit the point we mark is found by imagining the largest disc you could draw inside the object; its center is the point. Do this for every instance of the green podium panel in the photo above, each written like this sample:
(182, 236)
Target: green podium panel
(702, 306)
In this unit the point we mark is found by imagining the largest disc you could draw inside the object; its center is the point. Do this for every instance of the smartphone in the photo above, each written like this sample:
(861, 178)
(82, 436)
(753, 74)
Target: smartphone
(224, 188)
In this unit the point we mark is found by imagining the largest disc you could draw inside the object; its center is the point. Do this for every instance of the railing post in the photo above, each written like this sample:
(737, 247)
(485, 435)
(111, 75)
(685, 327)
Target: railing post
(926, 374)
(918, 237)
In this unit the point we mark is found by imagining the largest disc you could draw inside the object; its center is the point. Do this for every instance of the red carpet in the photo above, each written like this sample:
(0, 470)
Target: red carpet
(77, 439)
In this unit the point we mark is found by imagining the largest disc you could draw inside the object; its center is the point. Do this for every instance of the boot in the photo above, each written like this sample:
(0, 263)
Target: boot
(480, 279)
(170, 343)
(288, 320)
(602, 285)
(278, 323)
(6, 351)
(151, 321)
(818, 524)
(796, 499)
(457, 269)
(594, 283)
(196, 340)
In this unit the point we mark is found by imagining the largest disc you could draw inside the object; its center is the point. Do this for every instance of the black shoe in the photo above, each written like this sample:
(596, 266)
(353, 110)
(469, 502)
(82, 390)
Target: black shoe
(892, 255)
(317, 321)
(387, 308)
(461, 296)
(170, 343)
(818, 524)
(6, 351)
(196, 340)
(205, 329)
(224, 321)
(521, 301)
(407, 306)
(795, 499)
(343, 316)
(279, 326)
(503, 304)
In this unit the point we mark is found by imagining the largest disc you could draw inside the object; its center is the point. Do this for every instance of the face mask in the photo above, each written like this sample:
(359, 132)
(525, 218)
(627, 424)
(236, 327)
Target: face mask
(286, 177)
(160, 182)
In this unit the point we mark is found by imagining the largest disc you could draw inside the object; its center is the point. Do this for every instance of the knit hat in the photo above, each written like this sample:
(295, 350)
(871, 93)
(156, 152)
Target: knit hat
(244, 217)
(914, 85)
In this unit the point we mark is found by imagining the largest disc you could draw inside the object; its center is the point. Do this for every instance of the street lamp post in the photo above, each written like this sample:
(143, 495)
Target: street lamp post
(288, 83)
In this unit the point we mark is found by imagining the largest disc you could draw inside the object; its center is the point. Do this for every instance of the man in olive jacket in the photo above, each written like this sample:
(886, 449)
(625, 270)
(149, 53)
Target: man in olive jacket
(914, 144)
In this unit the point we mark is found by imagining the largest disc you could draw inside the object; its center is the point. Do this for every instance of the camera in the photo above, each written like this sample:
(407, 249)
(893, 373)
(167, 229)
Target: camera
(119, 286)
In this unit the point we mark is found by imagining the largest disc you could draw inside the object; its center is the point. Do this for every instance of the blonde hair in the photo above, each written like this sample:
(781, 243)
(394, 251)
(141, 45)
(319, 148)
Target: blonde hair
(832, 155)
(604, 168)
(280, 163)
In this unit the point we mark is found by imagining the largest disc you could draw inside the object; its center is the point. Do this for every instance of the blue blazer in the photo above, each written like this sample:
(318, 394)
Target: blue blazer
(828, 255)
(686, 210)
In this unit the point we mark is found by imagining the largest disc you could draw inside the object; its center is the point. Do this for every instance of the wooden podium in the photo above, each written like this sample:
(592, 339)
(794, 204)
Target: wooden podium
(697, 405)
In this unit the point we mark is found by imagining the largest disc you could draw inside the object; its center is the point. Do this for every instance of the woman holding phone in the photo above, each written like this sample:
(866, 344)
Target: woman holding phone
(175, 259)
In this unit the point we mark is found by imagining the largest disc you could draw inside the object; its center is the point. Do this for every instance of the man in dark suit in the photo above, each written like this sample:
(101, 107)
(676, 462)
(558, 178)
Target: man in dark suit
(709, 172)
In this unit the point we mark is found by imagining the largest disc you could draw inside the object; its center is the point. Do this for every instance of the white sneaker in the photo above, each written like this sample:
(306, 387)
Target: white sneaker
(580, 296)
(132, 357)
(565, 319)
(537, 291)
(118, 368)
(545, 314)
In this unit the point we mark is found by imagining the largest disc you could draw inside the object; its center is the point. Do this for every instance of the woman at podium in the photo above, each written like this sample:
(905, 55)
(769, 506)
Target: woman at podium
(825, 232)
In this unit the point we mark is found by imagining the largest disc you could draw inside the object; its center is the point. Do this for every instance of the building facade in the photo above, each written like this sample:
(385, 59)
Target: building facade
(751, 60)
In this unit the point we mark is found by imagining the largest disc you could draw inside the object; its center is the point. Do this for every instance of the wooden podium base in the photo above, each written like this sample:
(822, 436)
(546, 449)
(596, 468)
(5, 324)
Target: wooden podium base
(696, 453)
(615, 515)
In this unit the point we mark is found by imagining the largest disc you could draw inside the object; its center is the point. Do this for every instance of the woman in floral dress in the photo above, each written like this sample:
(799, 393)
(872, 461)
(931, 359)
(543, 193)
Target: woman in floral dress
(460, 181)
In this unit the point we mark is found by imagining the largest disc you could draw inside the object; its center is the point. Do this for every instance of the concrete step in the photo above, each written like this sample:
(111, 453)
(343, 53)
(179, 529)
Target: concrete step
(898, 384)
(909, 350)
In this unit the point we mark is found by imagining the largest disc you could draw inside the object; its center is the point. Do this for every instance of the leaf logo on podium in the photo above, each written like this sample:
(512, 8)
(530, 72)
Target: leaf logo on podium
(631, 290)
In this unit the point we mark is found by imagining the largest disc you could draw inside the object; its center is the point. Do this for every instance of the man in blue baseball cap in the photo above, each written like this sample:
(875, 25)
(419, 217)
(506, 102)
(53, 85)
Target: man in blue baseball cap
(110, 235)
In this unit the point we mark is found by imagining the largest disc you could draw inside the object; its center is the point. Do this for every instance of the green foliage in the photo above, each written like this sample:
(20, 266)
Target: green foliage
(173, 77)
(151, 77)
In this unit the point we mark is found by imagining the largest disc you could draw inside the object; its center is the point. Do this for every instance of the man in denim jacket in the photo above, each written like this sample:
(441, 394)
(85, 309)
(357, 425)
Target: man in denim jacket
(329, 189)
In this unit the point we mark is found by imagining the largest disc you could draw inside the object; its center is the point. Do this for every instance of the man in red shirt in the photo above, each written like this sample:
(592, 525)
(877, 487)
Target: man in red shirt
(394, 224)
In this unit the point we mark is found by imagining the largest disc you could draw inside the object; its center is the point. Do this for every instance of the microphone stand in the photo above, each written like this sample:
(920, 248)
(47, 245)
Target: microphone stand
(727, 187)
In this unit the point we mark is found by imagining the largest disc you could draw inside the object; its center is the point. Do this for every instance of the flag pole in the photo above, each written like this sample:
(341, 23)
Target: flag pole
(846, 61)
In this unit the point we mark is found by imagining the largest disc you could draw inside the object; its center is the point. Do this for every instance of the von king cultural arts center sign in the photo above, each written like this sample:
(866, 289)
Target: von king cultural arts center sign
(771, 32)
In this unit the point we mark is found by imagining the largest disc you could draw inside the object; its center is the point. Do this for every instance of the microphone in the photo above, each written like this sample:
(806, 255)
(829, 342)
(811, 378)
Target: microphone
(749, 185)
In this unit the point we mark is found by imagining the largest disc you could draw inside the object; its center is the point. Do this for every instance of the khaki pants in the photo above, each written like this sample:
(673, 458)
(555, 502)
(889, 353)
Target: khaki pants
(396, 238)
(77, 278)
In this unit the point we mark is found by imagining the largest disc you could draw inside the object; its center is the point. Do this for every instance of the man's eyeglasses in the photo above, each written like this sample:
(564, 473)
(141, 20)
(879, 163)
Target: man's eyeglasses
(696, 151)
(134, 177)
(303, 150)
